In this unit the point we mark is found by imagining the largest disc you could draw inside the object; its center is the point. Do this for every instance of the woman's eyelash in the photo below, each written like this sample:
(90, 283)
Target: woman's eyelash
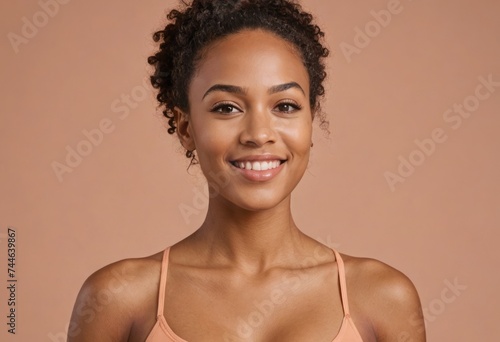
(219, 107)
(292, 104)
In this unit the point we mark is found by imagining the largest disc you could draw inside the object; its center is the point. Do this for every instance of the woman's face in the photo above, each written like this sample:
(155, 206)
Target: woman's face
(250, 119)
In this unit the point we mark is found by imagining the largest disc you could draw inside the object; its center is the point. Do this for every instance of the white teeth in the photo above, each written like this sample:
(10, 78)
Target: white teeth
(258, 166)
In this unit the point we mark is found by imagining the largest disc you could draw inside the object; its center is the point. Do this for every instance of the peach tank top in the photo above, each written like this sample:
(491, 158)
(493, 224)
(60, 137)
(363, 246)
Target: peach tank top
(162, 332)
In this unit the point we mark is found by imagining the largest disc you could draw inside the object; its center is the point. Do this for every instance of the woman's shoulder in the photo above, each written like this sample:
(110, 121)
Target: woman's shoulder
(375, 272)
(127, 272)
(113, 297)
(383, 295)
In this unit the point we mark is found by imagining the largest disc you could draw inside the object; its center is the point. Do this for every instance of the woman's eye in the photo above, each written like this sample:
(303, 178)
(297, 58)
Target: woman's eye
(225, 109)
(287, 107)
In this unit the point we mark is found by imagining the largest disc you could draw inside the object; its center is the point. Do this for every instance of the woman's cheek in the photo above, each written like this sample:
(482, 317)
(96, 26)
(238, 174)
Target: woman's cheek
(298, 138)
(212, 145)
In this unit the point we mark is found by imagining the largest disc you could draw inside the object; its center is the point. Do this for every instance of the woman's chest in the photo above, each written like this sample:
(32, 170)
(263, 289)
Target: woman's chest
(303, 307)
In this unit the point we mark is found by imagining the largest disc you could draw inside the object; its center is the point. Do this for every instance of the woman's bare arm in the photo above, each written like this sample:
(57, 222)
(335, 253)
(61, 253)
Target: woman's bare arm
(105, 306)
(391, 301)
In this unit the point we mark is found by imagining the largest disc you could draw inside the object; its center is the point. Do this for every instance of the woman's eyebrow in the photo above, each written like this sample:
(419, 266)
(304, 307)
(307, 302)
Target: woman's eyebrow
(225, 88)
(282, 87)
(242, 91)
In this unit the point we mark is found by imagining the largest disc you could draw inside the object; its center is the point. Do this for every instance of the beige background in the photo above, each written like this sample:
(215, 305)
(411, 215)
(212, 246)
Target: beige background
(123, 199)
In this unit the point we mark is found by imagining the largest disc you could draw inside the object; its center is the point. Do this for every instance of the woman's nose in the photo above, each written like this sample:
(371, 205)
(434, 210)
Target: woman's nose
(258, 128)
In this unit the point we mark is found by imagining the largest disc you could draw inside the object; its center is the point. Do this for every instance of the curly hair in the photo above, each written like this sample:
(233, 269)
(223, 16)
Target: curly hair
(191, 30)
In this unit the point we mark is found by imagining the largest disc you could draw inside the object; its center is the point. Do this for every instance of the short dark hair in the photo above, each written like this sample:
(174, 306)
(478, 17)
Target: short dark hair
(202, 22)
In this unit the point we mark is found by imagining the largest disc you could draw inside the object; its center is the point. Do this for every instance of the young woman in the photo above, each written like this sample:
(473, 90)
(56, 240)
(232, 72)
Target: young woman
(240, 82)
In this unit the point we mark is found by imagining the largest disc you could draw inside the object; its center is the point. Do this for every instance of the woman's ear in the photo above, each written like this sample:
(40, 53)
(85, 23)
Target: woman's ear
(184, 129)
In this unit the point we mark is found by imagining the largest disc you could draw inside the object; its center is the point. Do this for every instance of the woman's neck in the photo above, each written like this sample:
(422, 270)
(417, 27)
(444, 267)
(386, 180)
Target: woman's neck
(250, 240)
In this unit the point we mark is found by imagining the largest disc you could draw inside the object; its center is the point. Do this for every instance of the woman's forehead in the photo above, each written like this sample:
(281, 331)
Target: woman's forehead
(251, 56)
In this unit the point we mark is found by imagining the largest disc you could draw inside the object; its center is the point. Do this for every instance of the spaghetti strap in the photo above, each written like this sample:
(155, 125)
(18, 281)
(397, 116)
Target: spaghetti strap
(163, 281)
(342, 281)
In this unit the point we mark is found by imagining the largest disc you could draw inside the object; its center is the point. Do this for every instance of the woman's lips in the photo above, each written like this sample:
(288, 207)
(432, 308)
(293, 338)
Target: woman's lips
(258, 171)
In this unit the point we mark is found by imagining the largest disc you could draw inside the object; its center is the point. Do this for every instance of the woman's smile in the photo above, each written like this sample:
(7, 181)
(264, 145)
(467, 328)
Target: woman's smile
(259, 168)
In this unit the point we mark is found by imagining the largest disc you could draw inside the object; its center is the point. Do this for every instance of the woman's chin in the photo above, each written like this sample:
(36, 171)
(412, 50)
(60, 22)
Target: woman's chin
(255, 203)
